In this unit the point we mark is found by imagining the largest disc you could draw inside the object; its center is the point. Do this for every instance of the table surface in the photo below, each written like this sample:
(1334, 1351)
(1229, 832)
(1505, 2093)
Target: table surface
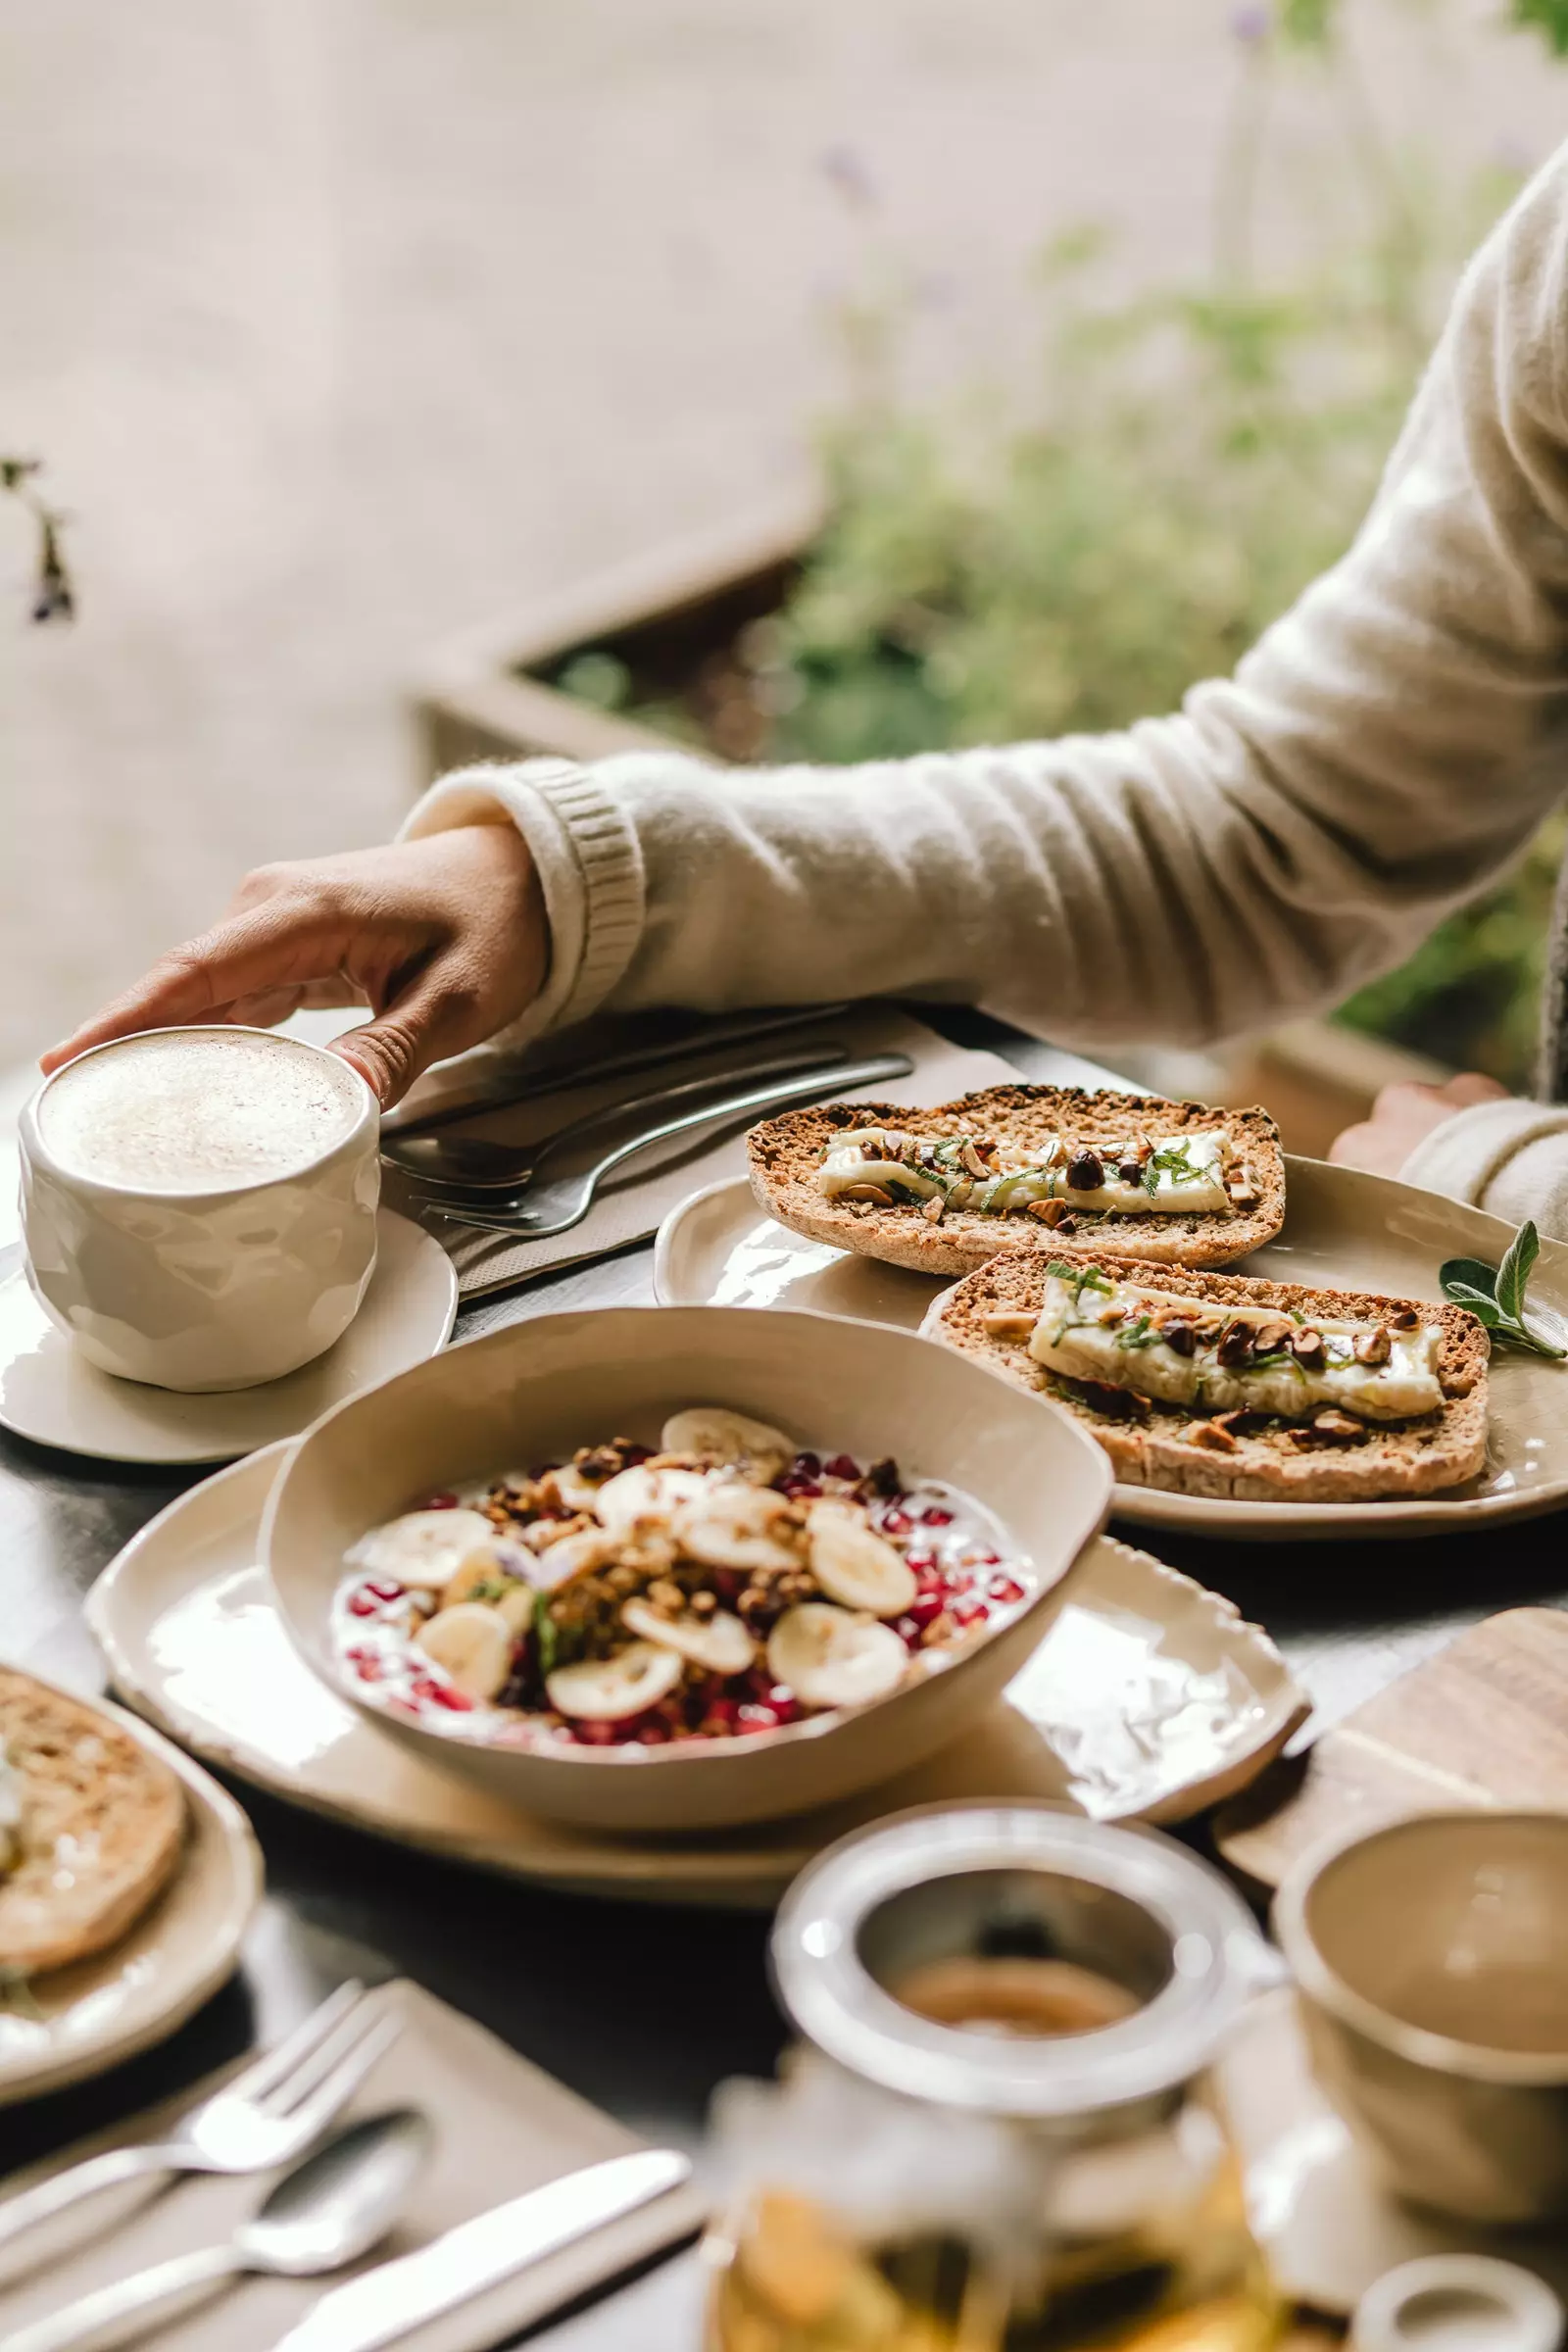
(550, 1973)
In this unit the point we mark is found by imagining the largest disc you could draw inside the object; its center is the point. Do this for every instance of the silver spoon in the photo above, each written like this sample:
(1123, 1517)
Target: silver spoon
(326, 2212)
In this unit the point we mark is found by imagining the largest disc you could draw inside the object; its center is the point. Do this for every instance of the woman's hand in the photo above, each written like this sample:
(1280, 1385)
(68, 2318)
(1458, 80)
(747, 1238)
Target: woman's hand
(1403, 1116)
(445, 939)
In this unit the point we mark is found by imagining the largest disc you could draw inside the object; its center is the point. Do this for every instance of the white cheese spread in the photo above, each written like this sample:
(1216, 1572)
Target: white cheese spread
(1182, 1176)
(10, 1810)
(1091, 1328)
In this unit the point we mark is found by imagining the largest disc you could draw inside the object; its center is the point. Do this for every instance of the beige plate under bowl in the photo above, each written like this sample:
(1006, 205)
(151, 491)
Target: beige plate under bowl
(1344, 1231)
(73, 2021)
(534, 1391)
(1148, 1700)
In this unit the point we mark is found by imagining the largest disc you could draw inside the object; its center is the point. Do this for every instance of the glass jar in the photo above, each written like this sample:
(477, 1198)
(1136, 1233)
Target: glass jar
(995, 2133)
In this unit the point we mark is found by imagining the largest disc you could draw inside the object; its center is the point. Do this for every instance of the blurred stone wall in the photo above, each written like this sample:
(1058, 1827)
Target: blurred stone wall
(342, 322)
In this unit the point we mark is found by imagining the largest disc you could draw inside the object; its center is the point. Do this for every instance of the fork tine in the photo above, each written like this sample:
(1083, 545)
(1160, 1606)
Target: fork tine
(345, 2037)
(332, 2096)
(268, 2071)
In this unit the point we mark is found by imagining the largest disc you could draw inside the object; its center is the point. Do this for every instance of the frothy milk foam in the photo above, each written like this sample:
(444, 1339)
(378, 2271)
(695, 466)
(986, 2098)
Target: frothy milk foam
(194, 1111)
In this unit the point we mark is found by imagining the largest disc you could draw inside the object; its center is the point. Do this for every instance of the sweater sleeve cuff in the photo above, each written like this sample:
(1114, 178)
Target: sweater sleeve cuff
(1467, 1154)
(590, 870)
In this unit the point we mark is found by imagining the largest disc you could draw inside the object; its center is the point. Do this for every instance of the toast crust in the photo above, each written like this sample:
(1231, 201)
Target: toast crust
(785, 1154)
(83, 1777)
(1407, 1458)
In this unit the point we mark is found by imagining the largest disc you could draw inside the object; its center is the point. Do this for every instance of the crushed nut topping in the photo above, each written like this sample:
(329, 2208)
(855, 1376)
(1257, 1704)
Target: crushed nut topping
(1085, 1172)
(1373, 1347)
(1008, 1326)
(1210, 1435)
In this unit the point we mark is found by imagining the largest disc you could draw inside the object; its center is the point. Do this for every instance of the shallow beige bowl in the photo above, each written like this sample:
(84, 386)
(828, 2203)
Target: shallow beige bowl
(539, 1389)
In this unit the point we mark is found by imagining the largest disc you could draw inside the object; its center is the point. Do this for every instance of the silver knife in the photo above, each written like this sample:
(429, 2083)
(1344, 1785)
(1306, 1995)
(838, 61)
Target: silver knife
(396, 2297)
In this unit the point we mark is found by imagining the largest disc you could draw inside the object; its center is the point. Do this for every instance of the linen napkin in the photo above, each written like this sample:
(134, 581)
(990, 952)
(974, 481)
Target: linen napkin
(635, 1203)
(502, 2126)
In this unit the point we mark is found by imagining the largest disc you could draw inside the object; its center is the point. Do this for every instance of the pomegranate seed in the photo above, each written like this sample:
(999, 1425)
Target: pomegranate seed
(922, 1562)
(844, 1465)
(928, 1577)
(361, 1605)
(968, 1608)
(722, 1715)
(633, 1454)
(367, 1665)
(383, 1592)
(595, 1734)
(755, 1716)
(729, 1583)
(982, 1559)
(654, 1735)
(806, 1465)
(440, 1502)
(795, 1489)
(908, 1631)
(936, 1518)
(441, 1694)
(1005, 1588)
(923, 1611)
(895, 1523)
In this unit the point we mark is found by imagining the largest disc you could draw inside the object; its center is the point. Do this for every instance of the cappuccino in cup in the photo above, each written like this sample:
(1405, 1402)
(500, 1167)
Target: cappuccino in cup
(199, 1204)
(201, 1111)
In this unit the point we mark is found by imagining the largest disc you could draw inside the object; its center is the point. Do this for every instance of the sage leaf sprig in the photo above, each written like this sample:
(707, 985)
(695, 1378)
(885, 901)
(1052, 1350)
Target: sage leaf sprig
(1497, 1298)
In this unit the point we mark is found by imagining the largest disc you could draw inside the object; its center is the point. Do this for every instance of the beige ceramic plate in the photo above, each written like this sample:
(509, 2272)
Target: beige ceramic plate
(74, 2022)
(1163, 1702)
(1326, 2225)
(1342, 1229)
(51, 1394)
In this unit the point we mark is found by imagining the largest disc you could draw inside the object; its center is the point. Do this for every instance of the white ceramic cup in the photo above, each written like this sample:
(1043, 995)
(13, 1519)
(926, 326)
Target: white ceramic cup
(205, 1291)
(1431, 1961)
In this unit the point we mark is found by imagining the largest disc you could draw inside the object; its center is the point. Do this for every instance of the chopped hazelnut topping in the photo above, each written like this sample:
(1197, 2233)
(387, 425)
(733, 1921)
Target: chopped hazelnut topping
(1065, 1225)
(1405, 1318)
(873, 1194)
(1008, 1326)
(934, 1209)
(1085, 1172)
(1179, 1334)
(1130, 1171)
(1331, 1427)
(1209, 1436)
(1269, 1338)
(1373, 1347)
(1050, 1212)
(1308, 1348)
(1117, 1404)
(1235, 1349)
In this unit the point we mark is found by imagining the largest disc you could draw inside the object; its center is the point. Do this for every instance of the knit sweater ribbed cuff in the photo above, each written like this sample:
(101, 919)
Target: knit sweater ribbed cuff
(590, 868)
(1486, 1155)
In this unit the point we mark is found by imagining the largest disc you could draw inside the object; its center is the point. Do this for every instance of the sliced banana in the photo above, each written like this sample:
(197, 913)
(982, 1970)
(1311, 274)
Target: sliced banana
(720, 1435)
(831, 1659)
(720, 1643)
(640, 1493)
(729, 1524)
(577, 1492)
(853, 1563)
(609, 1689)
(473, 1642)
(426, 1548)
(554, 1564)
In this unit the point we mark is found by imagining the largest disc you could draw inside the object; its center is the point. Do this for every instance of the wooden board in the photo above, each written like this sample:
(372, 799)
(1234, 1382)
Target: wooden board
(1483, 1723)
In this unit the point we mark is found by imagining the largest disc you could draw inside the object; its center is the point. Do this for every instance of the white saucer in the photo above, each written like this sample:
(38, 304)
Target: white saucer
(82, 2020)
(1344, 1231)
(1326, 2223)
(51, 1394)
(1148, 1700)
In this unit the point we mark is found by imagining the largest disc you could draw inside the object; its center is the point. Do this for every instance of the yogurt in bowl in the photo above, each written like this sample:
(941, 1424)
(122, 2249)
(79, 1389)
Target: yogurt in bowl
(670, 1613)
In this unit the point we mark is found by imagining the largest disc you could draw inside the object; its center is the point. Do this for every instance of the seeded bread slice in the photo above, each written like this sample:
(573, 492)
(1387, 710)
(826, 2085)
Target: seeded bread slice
(103, 1824)
(1410, 1457)
(786, 1152)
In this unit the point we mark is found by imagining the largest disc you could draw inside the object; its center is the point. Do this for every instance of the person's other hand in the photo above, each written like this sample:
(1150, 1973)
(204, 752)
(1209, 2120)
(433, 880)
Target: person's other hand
(444, 939)
(1403, 1116)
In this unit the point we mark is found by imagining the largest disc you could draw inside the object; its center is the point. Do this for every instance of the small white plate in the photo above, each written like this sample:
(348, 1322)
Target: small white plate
(1326, 2225)
(1163, 1702)
(51, 1394)
(81, 2021)
(1344, 1230)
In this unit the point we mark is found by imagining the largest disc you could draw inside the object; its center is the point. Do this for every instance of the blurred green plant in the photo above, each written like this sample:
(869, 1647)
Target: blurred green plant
(1191, 459)
(53, 597)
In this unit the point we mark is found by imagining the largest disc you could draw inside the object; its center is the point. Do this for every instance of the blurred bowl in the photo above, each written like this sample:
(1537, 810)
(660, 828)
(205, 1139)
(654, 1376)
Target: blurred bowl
(539, 1389)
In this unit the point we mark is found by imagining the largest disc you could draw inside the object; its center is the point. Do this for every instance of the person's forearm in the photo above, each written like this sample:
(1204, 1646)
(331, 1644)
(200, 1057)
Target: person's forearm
(1383, 752)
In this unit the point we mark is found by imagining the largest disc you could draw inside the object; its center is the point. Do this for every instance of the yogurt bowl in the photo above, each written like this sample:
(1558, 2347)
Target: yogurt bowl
(897, 1539)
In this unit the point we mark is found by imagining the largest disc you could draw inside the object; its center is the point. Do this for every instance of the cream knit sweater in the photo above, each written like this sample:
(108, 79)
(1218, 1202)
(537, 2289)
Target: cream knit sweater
(1387, 746)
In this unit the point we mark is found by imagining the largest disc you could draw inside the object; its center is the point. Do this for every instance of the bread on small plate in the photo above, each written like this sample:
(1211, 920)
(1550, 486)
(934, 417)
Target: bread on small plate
(91, 1828)
(1173, 1183)
(1184, 1418)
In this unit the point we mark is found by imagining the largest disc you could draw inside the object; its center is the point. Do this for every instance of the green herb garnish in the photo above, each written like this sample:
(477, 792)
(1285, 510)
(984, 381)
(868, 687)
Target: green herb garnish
(1170, 1160)
(547, 1634)
(18, 1997)
(1497, 1298)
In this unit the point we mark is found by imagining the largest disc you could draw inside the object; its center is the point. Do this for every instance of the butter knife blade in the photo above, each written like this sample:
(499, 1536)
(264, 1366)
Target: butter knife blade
(398, 2296)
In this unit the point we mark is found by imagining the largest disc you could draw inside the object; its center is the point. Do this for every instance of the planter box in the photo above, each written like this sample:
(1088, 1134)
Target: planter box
(672, 620)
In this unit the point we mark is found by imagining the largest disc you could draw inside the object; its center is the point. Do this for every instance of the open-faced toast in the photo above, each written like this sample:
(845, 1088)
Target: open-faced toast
(1329, 1451)
(1140, 1144)
(91, 1827)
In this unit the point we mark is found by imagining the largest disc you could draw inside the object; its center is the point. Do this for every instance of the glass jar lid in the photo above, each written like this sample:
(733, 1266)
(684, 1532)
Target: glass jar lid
(1127, 1909)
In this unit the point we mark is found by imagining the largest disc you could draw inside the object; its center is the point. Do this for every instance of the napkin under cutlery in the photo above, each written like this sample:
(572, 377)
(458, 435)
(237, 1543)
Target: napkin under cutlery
(503, 2125)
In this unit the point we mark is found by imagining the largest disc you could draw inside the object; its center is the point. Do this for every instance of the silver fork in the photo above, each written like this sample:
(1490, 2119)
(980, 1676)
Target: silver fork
(265, 2117)
(559, 1188)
